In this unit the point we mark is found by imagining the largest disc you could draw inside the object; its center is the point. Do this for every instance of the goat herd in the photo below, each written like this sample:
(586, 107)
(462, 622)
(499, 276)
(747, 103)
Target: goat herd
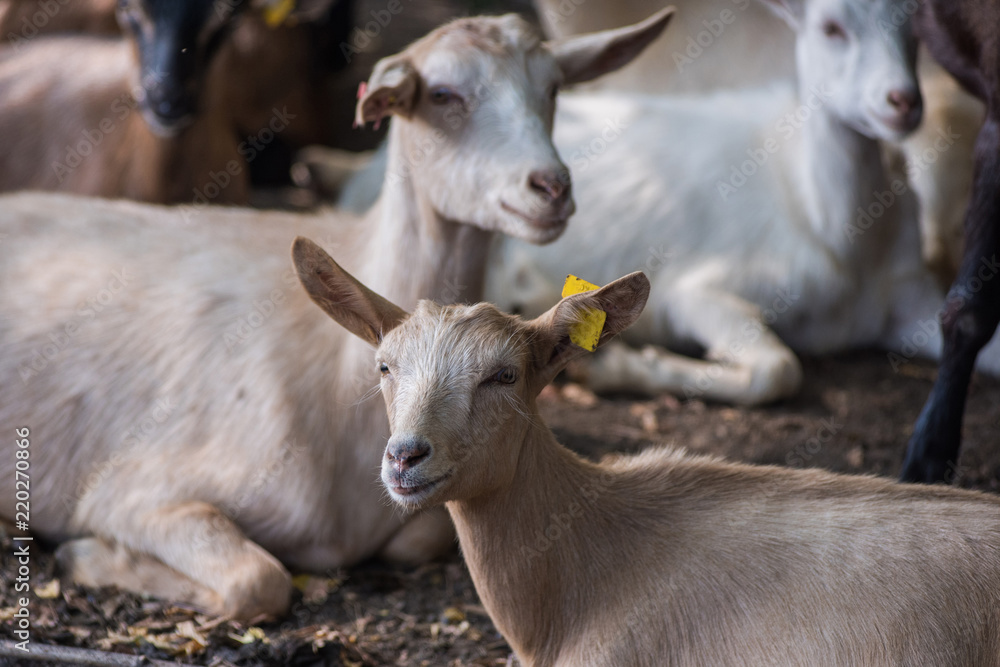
(196, 423)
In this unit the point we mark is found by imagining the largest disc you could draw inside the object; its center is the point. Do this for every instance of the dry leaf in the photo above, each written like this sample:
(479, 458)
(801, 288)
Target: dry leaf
(48, 591)
(250, 636)
(453, 615)
(187, 630)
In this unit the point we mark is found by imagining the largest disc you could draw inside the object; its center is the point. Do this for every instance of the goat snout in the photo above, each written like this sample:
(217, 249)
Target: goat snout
(551, 184)
(907, 106)
(903, 101)
(406, 453)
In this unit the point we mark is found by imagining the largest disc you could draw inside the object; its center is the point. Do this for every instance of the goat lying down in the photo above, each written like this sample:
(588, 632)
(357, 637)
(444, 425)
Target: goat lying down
(658, 559)
(199, 424)
(765, 218)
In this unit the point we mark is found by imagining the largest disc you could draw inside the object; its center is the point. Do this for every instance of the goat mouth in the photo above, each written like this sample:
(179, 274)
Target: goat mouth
(414, 492)
(545, 224)
(900, 124)
(165, 128)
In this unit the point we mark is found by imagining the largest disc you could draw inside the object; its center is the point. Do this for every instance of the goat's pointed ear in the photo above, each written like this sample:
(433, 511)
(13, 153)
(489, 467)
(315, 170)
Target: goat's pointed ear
(586, 57)
(392, 88)
(622, 300)
(792, 11)
(358, 309)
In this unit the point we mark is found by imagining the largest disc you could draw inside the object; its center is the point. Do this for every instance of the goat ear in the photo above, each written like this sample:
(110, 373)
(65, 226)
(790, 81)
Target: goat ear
(622, 300)
(586, 57)
(392, 88)
(358, 309)
(791, 11)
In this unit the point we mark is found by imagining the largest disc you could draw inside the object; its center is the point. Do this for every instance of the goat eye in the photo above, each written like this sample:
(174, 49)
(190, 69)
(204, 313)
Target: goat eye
(443, 95)
(506, 376)
(383, 368)
(834, 30)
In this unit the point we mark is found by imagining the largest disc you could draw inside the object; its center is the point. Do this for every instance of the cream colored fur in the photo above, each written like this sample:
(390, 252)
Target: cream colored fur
(192, 414)
(663, 559)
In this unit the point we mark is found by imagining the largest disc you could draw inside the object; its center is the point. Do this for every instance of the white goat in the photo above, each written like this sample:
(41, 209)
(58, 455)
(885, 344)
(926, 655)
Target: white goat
(195, 419)
(758, 214)
(660, 559)
(739, 43)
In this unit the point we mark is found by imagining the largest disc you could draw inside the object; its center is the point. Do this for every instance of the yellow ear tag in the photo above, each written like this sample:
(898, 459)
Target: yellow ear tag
(587, 332)
(277, 11)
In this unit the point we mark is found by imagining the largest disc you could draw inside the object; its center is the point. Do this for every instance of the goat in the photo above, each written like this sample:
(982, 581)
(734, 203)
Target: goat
(229, 436)
(962, 36)
(23, 20)
(68, 118)
(661, 558)
(739, 43)
(765, 218)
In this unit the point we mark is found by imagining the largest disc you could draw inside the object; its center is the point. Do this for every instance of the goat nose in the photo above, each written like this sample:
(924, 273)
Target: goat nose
(903, 101)
(407, 452)
(550, 183)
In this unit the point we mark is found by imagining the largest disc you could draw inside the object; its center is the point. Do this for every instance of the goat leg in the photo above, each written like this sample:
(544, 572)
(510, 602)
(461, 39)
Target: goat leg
(968, 321)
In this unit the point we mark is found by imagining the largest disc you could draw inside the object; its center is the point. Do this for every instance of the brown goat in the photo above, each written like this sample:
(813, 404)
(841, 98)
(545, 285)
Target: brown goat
(660, 559)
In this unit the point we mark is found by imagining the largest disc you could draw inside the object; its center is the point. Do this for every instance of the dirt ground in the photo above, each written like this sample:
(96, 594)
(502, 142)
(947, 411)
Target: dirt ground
(854, 415)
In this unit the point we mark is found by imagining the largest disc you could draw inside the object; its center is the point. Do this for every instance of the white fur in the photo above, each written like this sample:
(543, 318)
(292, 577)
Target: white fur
(779, 255)
(193, 414)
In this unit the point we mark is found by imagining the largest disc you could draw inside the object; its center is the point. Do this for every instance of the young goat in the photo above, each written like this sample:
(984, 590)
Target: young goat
(659, 559)
(200, 418)
(765, 217)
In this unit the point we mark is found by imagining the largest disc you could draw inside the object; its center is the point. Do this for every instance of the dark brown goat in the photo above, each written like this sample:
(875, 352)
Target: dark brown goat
(963, 36)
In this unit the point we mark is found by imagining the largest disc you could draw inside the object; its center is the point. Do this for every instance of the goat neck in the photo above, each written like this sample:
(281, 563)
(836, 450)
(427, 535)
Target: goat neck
(415, 252)
(550, 500)
(843, 171)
